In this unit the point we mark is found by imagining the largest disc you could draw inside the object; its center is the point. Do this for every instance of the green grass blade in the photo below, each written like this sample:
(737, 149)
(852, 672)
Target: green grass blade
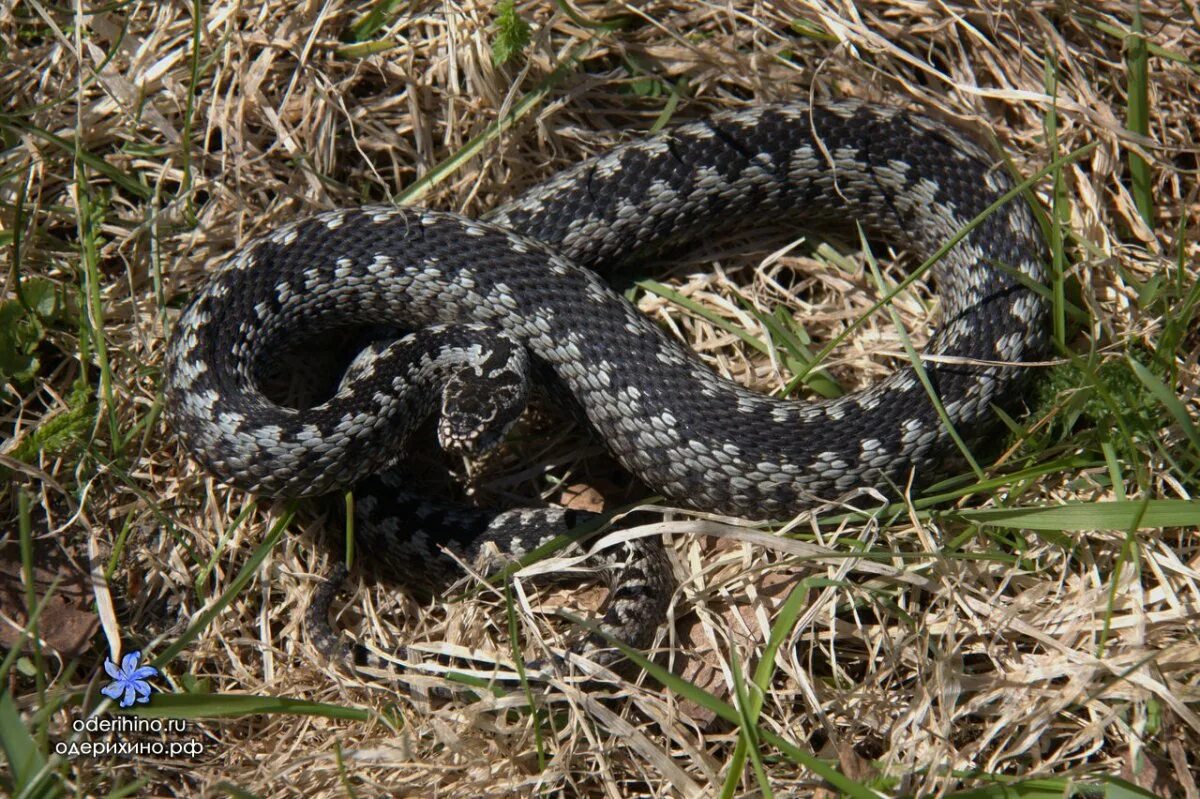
(606, 25)
(235, 587)
(89, 223)
(914, 359)
(795, 358)
(374, 20)
(235, 791)
(780, 629)
(1179, 318)
(1087, 516)
(1169, 400)
(200, 583)
(749, 700)
(1156, 50)
(796, 354)
(1061, 788)
(687, 303)
(1059, 211)
(26, 763)
(1138, 113)
(199, 706)
(127, 182)
(494, 129)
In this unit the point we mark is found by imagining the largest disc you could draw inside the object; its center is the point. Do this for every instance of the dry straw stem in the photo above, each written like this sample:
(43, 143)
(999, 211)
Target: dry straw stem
(143, 141)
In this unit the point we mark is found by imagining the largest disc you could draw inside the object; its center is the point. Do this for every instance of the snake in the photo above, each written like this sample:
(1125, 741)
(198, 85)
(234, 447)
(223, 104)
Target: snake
(474, 313)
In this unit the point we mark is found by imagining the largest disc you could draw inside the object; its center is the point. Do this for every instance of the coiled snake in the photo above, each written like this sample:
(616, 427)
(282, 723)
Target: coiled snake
(482, 305)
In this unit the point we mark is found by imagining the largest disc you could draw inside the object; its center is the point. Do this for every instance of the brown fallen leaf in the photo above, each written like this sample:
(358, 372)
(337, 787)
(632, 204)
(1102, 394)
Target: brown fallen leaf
(584, 496)
(66, 623)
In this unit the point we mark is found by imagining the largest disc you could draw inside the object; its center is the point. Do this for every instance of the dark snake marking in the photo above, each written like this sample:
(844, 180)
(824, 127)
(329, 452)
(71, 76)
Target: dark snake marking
(486, 301)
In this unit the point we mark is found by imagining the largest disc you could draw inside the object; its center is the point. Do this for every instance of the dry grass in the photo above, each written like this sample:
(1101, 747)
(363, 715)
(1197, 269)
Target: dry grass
(953, 651)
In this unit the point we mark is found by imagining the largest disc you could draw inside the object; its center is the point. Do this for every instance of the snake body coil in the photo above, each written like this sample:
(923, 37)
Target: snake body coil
(483, 301)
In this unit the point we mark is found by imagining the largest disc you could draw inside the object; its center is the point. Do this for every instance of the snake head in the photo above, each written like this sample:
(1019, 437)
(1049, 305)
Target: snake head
(481, 403)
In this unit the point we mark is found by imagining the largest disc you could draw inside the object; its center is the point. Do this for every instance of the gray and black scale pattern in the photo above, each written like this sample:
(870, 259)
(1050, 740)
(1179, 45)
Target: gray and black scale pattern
(485, 300)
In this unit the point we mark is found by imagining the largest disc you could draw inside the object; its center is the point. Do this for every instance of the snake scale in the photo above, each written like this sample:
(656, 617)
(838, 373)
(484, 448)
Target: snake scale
(484, 307)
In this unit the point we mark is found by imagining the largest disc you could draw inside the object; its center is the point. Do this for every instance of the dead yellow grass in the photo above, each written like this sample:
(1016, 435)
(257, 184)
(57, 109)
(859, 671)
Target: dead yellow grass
(914, 672)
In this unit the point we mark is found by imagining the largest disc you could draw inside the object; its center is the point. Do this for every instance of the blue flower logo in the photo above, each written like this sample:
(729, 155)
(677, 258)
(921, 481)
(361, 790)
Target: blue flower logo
(129, 684)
